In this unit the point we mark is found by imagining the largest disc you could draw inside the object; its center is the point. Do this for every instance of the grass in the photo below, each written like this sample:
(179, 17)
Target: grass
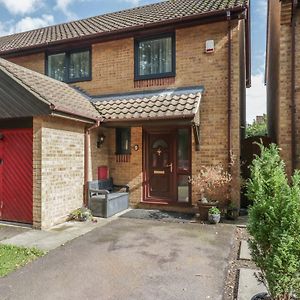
(12, 257)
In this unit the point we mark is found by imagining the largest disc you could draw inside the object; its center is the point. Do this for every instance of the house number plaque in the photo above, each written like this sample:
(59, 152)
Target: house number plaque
(157, 172)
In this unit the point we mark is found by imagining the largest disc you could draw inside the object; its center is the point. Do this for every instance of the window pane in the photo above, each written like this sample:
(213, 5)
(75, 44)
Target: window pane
(160, 143)
(56, 66)
(155, 56)
(79, 65)
(183, 149)
(183, 188)
(123, 140)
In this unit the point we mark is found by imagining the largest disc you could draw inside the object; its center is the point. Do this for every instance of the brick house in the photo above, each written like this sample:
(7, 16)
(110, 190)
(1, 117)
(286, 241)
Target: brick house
(282, 65)
(153, 92)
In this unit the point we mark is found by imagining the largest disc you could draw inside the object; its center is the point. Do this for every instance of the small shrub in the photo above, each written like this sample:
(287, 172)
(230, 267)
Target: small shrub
(211, 182)
(257, 128)
(274, 224)
(80, 214)
(214, 211)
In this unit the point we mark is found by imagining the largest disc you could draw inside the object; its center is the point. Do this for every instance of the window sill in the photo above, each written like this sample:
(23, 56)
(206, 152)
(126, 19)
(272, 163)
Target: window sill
(79, 80)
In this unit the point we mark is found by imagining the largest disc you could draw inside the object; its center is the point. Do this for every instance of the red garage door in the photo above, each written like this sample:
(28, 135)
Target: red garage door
(16, 175)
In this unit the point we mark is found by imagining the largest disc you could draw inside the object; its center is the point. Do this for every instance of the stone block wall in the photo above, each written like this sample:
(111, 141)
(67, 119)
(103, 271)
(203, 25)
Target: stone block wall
(58, 169)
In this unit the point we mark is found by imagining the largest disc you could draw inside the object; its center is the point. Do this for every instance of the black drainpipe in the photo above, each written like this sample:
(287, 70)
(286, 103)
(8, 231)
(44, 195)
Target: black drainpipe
(229, 91)
(293, 87)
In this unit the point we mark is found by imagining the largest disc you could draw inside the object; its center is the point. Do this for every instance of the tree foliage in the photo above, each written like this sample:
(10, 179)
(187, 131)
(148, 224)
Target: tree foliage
(274, 224)
(257, 128)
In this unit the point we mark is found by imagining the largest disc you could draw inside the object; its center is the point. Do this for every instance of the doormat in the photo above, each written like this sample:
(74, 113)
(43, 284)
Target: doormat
(155, 214)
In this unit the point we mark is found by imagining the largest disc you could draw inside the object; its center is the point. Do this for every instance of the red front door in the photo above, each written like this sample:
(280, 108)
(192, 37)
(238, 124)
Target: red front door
(160, 167)
(16, 175)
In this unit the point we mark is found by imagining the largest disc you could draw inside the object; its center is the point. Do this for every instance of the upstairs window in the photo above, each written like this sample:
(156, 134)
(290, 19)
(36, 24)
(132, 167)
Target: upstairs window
(70, 66)
(155, 57)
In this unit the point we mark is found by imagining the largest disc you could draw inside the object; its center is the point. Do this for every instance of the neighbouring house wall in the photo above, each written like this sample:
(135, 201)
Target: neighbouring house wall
(272, 67)
(284, 135)
(242, 55)
(297, 87)
(279, 79)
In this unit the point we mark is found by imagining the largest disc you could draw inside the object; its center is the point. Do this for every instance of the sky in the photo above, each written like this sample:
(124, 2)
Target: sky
(22, 15)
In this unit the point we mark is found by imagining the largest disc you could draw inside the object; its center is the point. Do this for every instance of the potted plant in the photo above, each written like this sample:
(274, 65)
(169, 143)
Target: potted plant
(232, 211)
(274, 225)
(214, 215)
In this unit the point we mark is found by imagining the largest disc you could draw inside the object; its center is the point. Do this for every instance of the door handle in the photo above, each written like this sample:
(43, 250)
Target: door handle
(170, 166)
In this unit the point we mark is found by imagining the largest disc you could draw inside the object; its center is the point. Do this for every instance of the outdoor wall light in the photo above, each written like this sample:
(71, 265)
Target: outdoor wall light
(136, 147)
(100, 140)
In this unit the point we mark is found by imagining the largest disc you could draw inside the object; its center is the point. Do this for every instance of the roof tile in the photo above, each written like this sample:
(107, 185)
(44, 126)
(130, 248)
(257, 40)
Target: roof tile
(49, 90)
(155, 104)
(117, 21)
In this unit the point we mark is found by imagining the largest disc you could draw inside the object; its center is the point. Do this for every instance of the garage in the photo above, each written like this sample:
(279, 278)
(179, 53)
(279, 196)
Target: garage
(43, 140)
(16, 175)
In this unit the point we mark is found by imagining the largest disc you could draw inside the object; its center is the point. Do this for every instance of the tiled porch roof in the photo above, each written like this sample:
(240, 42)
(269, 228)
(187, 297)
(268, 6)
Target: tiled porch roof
(126, 20)
(163, 104)
(53, 94)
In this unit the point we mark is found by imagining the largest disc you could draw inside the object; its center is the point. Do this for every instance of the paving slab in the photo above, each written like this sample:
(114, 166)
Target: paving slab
(56, 236)
(248, 284)
(8, 231)
(245, 253)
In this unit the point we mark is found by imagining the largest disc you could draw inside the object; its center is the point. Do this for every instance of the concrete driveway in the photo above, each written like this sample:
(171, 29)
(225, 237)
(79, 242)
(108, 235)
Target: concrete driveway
(130, 259)
(7, 232)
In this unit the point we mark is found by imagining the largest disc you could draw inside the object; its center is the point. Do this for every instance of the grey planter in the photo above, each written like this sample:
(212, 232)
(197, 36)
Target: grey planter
(104, 201)
(108, 205)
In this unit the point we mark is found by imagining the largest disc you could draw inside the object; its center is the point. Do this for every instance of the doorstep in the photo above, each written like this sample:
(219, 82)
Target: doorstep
(167, 207)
